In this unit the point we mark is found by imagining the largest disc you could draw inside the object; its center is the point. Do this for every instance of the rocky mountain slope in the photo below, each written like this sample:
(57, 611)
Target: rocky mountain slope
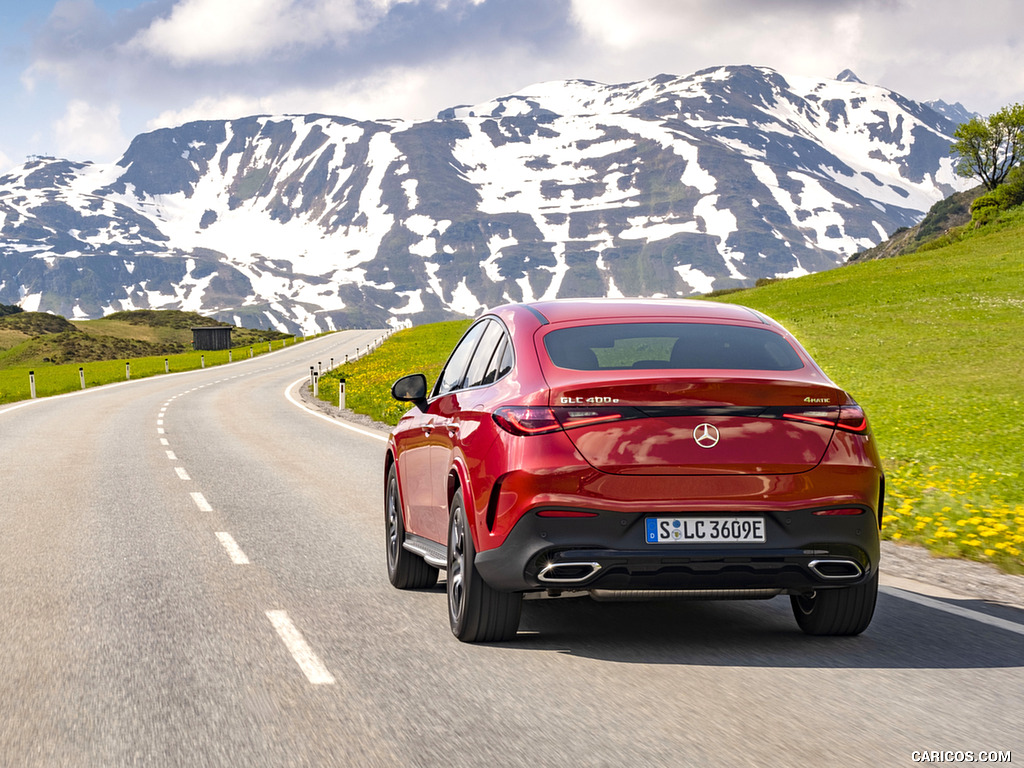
(670, 186)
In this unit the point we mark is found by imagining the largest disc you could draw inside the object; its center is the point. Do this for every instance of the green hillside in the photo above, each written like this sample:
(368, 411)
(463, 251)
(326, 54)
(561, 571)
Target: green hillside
(39, 338)
(931, 344)
(54, 348)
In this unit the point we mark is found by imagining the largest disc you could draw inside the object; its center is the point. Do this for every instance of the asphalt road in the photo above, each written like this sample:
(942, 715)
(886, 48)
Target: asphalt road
(192, 574)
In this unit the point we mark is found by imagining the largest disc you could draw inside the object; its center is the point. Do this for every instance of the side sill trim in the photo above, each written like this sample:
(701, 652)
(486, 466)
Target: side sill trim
(433, 553)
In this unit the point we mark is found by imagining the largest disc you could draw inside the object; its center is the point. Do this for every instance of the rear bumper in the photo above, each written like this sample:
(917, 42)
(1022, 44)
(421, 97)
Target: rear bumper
(608, 551)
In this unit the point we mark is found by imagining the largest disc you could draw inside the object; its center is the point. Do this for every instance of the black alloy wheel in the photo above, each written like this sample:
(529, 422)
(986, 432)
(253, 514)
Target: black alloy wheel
(405, 569)
(838, 611)
(477, 613)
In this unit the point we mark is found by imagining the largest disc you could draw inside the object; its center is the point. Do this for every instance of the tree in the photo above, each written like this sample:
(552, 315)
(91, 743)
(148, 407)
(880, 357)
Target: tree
(989, 149)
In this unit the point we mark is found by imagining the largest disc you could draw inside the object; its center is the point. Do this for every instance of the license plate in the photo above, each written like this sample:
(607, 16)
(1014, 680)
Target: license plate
(706, 530)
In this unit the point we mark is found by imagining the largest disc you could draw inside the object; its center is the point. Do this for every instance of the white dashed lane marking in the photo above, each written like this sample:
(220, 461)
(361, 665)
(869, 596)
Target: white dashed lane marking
(312, 667)
(231, 547)
(308, 662)
(201, 502)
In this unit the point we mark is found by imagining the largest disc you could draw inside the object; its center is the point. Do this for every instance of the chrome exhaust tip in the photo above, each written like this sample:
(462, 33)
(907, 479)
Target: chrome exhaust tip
(567, 573)
(836, 569)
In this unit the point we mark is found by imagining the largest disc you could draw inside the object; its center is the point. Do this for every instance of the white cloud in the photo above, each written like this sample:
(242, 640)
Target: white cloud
(88, 131)
(214, 108)
(407, 93)
(906, 45)
(219, 32)
(701, 34)
(375, 98)
(171, 61)
(623, 26)
(5, 162)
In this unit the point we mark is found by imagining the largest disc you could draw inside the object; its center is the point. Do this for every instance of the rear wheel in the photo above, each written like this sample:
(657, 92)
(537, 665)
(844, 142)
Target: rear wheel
(844, 611)
(405, 570)
(477, 613)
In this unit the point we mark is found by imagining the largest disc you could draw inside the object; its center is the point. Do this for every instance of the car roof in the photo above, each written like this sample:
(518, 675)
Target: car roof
(651, 310)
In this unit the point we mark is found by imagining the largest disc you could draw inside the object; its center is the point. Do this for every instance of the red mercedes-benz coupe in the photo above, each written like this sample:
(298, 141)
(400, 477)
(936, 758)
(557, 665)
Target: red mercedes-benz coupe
(686, 447)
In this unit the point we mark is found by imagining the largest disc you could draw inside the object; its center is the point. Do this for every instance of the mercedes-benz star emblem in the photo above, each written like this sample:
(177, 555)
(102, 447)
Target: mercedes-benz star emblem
(706, 435)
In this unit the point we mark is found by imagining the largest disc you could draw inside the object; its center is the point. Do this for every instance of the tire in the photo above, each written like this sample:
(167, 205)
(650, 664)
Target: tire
(844, 611)
(405, 569)
(477, 613)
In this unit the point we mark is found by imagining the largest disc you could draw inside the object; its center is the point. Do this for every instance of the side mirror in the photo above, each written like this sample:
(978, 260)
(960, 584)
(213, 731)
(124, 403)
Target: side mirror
(410, 388)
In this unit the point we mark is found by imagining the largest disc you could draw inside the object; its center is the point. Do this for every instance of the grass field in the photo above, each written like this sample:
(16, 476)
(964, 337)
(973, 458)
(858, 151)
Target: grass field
(368, 380)
(931, 344)
(57, 379)
(53, 348)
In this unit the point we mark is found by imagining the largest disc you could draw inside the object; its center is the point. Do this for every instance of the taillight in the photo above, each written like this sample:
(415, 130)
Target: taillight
(532, 420)
(841, 512)
(573, 417)
(827, 417)
(526, 420)
(849, 418)
(852, 419)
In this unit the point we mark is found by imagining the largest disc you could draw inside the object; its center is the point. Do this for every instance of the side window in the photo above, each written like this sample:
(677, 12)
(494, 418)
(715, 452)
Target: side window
(454, 372)
(485, 350)
(507, 359)
(501, 361)
(492, 368)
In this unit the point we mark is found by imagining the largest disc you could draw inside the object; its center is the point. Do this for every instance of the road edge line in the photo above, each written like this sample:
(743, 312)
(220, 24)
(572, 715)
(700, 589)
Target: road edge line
(956, 610)
(329, 419)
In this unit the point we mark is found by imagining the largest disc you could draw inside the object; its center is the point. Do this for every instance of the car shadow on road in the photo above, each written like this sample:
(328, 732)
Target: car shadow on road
(763, 633)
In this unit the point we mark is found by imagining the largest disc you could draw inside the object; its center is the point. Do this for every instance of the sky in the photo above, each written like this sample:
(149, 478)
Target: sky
(80, 78)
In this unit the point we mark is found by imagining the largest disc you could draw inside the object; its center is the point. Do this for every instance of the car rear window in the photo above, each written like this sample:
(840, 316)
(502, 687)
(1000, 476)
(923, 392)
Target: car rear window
(670, 345)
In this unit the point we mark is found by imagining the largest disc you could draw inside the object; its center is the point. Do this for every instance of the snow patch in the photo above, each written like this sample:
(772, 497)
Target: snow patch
(409, 187)
(463, 301)
(413, 303)
(697, 280)
(494, 247)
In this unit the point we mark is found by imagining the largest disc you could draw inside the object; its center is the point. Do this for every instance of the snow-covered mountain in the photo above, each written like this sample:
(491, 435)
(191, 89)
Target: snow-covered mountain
(671, 186)
(957, 112)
